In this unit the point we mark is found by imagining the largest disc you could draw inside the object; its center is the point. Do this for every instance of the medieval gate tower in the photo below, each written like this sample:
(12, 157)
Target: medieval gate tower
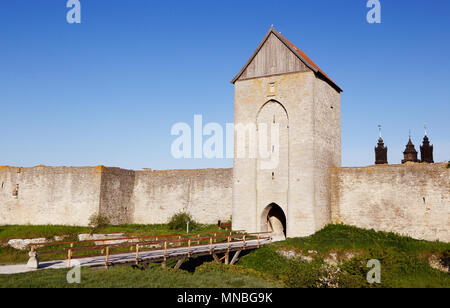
(280, 84)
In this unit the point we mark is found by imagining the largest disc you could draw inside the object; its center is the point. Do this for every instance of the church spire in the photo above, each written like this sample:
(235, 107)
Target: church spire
(410, 154)
(426, 150)
(381, 151)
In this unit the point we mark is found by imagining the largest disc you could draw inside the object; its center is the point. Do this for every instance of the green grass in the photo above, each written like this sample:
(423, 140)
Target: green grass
(22, 232)
(9, 255)
(127, 277)
(404, 263)
(25, 232)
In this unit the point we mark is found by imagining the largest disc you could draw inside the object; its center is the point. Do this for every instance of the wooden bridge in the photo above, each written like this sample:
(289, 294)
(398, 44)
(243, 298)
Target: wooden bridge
(149, 249)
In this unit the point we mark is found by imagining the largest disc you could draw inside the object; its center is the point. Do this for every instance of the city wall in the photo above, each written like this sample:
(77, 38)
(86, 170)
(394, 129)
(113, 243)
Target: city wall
(411, 199)
(70, 196)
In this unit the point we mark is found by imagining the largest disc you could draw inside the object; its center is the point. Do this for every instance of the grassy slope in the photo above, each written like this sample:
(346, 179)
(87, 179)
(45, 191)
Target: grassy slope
(21, 232)
(127, 277)
(404, 264)
(9, 255)
(403, 260)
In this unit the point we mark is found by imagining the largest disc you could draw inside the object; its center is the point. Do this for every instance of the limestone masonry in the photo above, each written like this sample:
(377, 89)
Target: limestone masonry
(306, 189)
(411, 199)
(70, 196)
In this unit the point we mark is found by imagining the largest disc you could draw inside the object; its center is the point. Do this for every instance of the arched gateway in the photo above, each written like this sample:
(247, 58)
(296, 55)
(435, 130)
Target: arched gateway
(274, 220)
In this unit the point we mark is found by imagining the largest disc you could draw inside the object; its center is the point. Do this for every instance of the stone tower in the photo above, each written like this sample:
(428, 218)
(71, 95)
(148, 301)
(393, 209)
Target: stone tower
(410, 154)
(381, 153)
(426, 151)
(283, 92)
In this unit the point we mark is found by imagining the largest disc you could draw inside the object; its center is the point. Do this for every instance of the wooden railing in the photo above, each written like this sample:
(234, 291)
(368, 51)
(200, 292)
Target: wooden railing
(224, 225)
(141, 244)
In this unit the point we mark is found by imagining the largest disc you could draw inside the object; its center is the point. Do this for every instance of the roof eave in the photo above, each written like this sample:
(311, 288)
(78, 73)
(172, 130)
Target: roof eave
(291, 48)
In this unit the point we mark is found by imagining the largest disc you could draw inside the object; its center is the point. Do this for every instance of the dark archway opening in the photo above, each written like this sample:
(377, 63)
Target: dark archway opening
(275, 222)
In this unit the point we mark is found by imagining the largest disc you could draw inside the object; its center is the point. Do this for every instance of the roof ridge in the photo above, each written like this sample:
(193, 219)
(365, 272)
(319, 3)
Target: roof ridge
(298, 52)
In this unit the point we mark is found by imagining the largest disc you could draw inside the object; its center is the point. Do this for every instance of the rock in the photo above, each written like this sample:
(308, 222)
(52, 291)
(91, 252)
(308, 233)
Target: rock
(97, 237)
(58, 238)
(436, 263)
(33, 262)
(349, 255)
(21, 244)
(293, 255)
(85, 237)
(332, 260)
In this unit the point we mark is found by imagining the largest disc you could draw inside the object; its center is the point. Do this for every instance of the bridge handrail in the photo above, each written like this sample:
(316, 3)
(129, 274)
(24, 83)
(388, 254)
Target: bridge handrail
(148, 243)
(137, 237)
(231, 238)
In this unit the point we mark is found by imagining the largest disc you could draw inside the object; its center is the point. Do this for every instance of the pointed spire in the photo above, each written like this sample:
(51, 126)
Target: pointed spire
(381, 151)
(426, 150)
(410, 154)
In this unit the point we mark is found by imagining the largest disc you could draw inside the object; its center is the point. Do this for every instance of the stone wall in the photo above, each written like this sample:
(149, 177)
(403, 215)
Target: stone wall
(206, 194)
(116, 191)
(411, 199)
(49, 195)
(70, 196)
(327, 147)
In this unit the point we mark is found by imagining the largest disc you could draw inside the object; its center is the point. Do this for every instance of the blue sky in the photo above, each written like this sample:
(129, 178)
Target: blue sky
(107, 91)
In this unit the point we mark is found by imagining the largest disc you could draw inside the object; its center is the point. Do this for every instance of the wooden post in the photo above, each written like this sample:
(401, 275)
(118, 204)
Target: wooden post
(69, 256)
(179, 263)
(227, 260)
(244, 241)
(235, 257)
(137, 254)
(229, 243)
(210, 246)
(165, 252)
(179, 241)
(189, 248)
(198, 236)
(215, 237)
(107, 257)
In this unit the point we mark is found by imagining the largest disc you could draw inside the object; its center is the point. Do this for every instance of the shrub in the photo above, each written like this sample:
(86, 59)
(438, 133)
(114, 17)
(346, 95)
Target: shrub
(179, 221)
(301, 274)
(98, 221)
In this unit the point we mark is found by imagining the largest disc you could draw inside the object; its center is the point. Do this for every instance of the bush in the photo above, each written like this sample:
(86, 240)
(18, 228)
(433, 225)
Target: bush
(179, 221)
(301, 274)
(98, 221)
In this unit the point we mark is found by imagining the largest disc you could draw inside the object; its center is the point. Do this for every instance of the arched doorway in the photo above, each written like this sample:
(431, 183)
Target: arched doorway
(274, 220)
